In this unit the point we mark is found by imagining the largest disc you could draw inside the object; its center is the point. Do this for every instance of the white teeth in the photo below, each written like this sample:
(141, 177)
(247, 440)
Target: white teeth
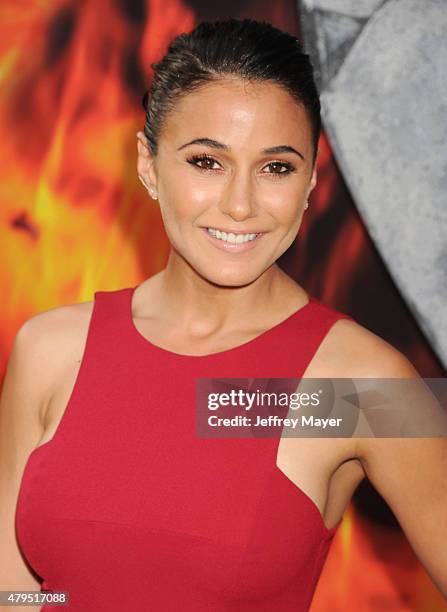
(231, 238)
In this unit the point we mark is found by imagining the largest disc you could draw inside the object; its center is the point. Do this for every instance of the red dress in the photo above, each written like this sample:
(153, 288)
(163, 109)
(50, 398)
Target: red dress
(127, 509)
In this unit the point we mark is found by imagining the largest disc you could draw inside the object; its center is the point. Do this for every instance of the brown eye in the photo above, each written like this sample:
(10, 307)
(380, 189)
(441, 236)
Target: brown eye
(277, 164)
(203, 159)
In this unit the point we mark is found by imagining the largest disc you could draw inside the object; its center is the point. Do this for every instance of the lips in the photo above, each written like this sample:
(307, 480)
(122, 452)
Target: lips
(229, 247)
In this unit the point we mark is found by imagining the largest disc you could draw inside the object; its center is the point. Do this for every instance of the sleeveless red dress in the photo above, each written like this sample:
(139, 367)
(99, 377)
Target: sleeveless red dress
(127, 509)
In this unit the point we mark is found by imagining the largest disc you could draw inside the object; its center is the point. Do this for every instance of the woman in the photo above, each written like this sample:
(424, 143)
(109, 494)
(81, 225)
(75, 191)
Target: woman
(118, 501)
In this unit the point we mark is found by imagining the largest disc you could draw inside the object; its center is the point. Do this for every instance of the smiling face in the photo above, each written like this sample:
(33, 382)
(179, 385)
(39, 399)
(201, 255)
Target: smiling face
(233, 157)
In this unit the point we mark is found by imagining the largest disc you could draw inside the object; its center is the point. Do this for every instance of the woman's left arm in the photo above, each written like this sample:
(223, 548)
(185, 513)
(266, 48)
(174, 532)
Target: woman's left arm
(411, 475)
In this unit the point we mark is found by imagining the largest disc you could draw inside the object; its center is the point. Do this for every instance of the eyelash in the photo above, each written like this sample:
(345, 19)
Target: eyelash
(196, 158)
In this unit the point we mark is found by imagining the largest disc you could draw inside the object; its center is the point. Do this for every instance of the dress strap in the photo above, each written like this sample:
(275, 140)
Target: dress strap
(112, 314)
(289, 351)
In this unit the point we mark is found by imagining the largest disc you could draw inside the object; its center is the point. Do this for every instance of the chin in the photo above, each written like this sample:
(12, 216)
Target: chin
(230, 277)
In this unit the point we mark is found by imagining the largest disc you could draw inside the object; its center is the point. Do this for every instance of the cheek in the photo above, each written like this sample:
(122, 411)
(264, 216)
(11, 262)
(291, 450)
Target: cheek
(286, 210)
(179, 214)
(183, 203)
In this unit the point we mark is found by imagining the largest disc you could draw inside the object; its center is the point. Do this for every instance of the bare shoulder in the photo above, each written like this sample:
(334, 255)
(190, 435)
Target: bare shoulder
(353, 351)
(350, 350)
(54, 321)
(52, 339)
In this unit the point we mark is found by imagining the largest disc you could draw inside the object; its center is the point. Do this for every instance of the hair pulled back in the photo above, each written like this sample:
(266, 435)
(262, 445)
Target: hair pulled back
(254, 51)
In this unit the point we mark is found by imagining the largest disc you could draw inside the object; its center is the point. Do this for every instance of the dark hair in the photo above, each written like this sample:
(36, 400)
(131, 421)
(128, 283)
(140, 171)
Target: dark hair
(245, 48)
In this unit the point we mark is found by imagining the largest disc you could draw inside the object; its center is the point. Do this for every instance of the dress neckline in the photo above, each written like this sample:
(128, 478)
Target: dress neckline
(235, 349)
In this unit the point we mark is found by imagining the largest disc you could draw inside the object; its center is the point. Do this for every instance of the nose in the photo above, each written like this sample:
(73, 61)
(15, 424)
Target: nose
(238, 199)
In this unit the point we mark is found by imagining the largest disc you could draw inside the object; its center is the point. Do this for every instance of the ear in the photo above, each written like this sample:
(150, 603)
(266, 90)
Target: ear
(313, 179)
(146, 161)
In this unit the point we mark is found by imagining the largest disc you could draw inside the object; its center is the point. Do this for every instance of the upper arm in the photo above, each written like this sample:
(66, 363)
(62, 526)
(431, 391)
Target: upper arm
(409, 473)
(24, 394)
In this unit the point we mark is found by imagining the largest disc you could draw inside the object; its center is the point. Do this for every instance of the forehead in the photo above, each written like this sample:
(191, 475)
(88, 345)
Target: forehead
(239, 113)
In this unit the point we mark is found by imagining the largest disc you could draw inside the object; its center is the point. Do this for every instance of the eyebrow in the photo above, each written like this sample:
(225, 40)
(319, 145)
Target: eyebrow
(209, 142)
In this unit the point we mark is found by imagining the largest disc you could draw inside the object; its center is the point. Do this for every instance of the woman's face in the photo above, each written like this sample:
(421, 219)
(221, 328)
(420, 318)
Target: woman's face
(230, 181)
